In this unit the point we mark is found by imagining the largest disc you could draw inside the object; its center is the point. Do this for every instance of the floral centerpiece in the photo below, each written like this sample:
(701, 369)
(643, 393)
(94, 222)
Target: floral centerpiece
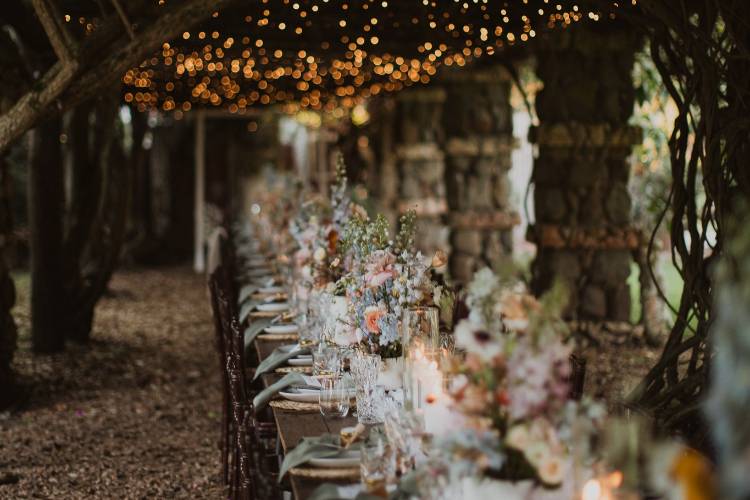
(316, 229)
(386, 276)
(512, 386)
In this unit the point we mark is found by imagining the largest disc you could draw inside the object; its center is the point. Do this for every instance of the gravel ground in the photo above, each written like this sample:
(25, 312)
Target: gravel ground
(132, 415)
(613, 371)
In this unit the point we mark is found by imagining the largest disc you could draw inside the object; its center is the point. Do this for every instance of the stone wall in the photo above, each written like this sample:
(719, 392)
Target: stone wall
(581, 201)
(477, 120)
(420, 163)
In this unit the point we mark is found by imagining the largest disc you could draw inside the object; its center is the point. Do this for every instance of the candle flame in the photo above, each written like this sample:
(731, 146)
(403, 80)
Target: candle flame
(601, 489)
(592, 490)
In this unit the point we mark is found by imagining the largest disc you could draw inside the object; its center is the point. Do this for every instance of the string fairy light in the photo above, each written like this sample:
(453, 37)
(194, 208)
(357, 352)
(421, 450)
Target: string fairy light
(319, 55)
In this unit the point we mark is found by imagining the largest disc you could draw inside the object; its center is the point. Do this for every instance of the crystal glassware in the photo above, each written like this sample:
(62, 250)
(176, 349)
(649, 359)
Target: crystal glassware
(420, 328)
(333, 398)
(326, 360)
(377, 469)
(365, 369)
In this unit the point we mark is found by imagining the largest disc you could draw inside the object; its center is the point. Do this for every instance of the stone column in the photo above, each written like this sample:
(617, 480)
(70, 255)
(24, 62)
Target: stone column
(478, 124)
(421, 164)
(581, 201)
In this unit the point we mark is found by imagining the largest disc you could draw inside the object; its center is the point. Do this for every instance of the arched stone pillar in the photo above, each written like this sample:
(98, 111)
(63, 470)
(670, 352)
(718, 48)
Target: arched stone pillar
(581, 200)
(478, 125)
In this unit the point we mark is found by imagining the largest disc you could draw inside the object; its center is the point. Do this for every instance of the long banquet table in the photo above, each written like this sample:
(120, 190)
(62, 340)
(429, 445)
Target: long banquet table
(294, 425)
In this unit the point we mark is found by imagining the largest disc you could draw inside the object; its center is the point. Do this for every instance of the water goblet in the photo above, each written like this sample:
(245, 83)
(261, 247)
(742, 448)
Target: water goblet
(333, 398)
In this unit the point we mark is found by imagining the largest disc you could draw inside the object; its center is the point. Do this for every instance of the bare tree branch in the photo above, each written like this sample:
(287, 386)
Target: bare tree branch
(124, 17)
(89, 73)
(29, 108)
(59, 38)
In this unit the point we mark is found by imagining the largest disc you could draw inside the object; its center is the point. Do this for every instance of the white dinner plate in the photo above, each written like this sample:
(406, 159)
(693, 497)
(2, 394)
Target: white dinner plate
(264, 281)
(300, 362)
(289, 347)
(302, 390)
(300, 397)
(282, 329)
(349, 458)
(274, 307)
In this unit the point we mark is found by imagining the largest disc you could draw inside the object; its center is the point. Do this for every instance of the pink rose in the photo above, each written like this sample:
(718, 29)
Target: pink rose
(372, 315)
(376, 280)
(379, 268)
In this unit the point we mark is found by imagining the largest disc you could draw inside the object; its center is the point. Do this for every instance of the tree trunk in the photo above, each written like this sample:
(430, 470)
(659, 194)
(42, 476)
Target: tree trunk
(8, 333)
(90, 161)
(101, 191)
(109, 234)
(46, 205)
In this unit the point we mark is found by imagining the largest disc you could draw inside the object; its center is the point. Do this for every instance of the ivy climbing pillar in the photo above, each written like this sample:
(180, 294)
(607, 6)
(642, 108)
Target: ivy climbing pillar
(478, 124)
(581, 200)
(421, 163)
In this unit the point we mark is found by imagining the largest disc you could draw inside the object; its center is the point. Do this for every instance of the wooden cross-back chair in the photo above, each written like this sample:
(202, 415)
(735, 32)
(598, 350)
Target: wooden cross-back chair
(239, 455)
(214, 285)
(248, 443)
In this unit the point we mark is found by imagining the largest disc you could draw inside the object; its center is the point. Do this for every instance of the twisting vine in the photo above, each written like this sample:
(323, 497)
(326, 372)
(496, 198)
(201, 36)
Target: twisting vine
(700, 48)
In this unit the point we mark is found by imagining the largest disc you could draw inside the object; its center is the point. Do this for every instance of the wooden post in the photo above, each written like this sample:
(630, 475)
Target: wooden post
(199, 262)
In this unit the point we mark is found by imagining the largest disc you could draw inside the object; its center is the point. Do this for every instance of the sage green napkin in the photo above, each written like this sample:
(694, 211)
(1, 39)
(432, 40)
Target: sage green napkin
(277, 357)
(246, 291)
(266, 394)
(254, 329)
(247, 307)
(325, 446)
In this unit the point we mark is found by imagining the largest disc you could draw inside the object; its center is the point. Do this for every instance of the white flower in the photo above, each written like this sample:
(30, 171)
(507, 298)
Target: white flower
(518, 437)
(475, 339)
(484, 283)
(320, 254)
(437, 294)
(551, 470)
(537, 452)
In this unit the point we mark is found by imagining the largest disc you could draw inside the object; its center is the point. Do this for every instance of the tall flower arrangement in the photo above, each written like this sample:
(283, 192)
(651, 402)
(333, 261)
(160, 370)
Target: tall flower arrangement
(511, 383)
(317, 228)
(385, 276)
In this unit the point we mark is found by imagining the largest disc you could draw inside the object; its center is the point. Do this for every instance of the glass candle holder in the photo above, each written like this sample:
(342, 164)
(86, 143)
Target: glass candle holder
(420, 337)
(420, 328)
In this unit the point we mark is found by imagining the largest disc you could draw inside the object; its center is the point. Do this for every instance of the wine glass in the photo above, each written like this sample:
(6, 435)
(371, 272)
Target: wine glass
(326, 360)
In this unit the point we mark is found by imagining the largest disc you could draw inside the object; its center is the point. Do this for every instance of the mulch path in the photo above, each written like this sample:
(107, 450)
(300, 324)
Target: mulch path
(135, 414)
